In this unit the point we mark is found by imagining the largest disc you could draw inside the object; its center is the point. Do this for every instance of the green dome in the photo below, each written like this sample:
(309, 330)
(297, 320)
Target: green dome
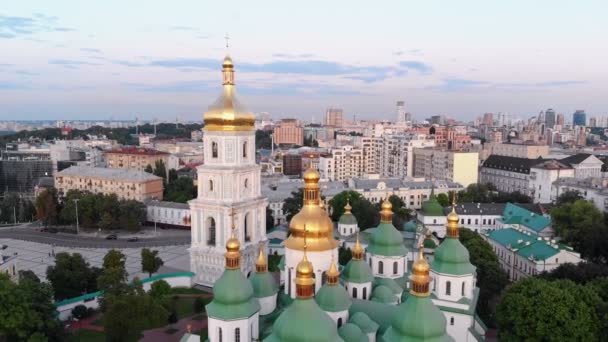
(417, 319)
(333, 298)
(386, 240)
(304, 321)
(431, 207)
(357, 271)
(451, 257)
(263, 284)
(390, 283)
(364, 322)
(352, 333)
(429, 243)
(410, 226)
(383, 294)
(347, 218)
(232, 297)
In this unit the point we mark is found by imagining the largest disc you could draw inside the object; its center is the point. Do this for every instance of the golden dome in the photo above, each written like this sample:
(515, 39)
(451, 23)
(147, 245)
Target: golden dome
(226, 113)
(305, 272)
(386, 212)
(453, 217)
(312, 218)
(347, 207)
(261, 264)
(453, 222)
(311, 176)
(420, 276)
(358, 250)
(233, 252)
(387, 205)
(333, 275)
(233, 245)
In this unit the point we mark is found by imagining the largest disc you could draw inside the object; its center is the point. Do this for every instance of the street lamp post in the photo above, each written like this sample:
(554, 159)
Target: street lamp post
(77, 228)
(14, 215)
(155, 226)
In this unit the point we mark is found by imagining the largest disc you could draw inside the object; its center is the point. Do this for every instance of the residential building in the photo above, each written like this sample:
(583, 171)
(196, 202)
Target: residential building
(288, 131)
(507, 174)
(585, 165)
(528, 151)
(372, 154)
(592, 189)
(478, 217)
(522, 254)
(134, 158)
(488, 119)
(446, 137)
(455, 166)
(397, 159)
(543, 174)
(401, 114)
(334, 117)
(342, 164)
(168, 214)
(292, 164)
(550, 118)
(126, 184)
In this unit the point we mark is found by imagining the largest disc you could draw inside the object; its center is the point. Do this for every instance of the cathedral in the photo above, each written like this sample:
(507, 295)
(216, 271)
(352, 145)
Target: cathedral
(387, 292)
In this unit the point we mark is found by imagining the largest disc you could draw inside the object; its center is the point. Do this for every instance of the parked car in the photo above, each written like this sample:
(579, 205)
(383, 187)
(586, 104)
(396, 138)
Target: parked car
(133, 239)
(112, 237)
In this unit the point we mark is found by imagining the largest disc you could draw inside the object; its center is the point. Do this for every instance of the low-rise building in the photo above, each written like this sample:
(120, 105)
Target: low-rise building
(528, 221)
(126, 184)
(542, 175)
(134, 158)
(168, 214)
(591, 189)
(478, 217)
(585, 165)
(526, 151)
(522, 254)
(507, 174)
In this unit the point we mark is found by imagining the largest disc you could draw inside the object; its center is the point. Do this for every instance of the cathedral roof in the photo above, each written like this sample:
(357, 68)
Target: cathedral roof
(366, 324)
(431, 207)
(352, 333)
(417, 319)
(263, 284)
(232, 297)
(333, 298)
(304, 321)
(357, 271)
(383, 294)
(386, 240)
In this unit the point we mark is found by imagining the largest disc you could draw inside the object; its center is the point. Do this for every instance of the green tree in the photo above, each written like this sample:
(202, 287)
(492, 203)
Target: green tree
(582, 225)
(443, 199)
(160, 289)
(198, 305)
(114, 259)
(580, 273)
(263, 139)
(27, 311)
(71, 276)
(537, 310)
(132, 214)
(269, 219)
(366, 212)
(293, 204)
(401, 213)
(569, 196)
(180, 190)
(344, 255)
(160, 169)
(47, 207)
(172, 175)
(491, 278)
(127, 315)
(150, 261)
(107, 221)
(149, 169)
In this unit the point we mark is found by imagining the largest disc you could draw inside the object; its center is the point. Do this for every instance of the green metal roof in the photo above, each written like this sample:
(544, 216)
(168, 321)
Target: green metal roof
(452, 257)
(357, 271)
(431, 207)
(410, 226)
(417, 319)
(364, 322)
(383, 294)
(232, 297)
(352, 333)
(390, 283)
(304, 321)
(382, 313)
(347, 218)
(429, 243)
(263, 284)
(527, 246)
(333, 298)
(517, 215)
(386, 240)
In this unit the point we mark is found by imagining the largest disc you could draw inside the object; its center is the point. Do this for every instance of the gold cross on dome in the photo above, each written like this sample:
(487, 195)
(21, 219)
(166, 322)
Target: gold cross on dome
(226, 37)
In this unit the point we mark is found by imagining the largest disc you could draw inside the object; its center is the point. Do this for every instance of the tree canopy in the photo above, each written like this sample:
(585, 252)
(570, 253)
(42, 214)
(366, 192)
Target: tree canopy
(569, 196)
(46, 206)
(181, 189)
(71, 276)
(485, 193)
(366, 212)
(150, 261)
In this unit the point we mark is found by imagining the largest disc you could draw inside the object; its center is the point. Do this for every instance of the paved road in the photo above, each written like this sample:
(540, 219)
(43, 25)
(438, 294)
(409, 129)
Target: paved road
(72, 240)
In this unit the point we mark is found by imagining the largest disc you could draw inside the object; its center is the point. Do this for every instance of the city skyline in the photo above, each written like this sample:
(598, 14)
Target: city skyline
(63, 60)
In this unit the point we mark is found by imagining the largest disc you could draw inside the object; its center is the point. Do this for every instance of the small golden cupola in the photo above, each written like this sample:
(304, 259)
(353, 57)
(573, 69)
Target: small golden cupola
(420, 276)
(358, 251)
(386, 212)
(305, 278)
(347, 208)
(261, 265)
(233, 252)
(312, 218)
(333, 275)
(227, 113)
(453, 222)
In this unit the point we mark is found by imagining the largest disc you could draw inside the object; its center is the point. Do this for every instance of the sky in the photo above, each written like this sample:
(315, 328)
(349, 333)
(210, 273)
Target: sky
(152, 59)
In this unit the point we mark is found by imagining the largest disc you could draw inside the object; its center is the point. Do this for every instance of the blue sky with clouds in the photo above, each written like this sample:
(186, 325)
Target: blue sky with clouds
(121, 59)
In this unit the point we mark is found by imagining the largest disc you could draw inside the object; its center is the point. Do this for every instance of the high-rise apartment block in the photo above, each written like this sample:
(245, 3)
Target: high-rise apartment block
(550, 118)
(289, 131)
(579, 118)
(459, 167)
(342, 163)
(334, 117)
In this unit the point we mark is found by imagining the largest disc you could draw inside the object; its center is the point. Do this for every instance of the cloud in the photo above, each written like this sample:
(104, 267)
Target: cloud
(289, 55)
(14, 26)
(13, 86)
(26, 73)
(70, 63)
(183, 28)
(91, 50)
(456, 84)
(418, 66)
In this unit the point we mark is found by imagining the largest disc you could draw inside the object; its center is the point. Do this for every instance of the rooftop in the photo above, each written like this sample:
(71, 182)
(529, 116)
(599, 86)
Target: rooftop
(137, 151)
(513, 164)
(107, 173)
(397, 183)
(477, 208)
(165, 204)
(526, 244)
(514, 214)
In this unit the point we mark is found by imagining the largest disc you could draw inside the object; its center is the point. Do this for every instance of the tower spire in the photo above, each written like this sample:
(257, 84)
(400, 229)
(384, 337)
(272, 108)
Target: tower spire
(305, 282)
(420, 275)
(358, 250)
(333, 274)
(233, 251)
(453, 220)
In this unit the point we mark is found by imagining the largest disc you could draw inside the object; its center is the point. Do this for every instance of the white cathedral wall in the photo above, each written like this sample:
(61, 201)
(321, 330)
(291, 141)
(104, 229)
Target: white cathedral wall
(357, 290)
(341, 316)
(321, 260)
(267, 304)
(347, 229)
(435, 223)
(387, 269)
(249, 329)
(439, 285)
(457, 326)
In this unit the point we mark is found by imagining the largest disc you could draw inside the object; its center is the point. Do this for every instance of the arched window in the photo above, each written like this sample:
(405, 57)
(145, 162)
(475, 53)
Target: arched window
(462, 290)
(448, 288)
(214, 149)
(339, 322)
(210, 223)
(380, 267)
(395, 266)
(245, 149)
(365, 293)
(246, 183)
(246, 228)
(354, 292)
(237, 335)
(221, 338)
(210, 185)
(451, 320)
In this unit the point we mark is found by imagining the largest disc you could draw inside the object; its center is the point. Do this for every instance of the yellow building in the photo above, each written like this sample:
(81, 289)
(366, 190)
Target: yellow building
(456, 166)
(134, 158)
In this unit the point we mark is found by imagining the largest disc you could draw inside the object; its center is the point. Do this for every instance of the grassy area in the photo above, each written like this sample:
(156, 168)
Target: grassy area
(88, 335)
(184, 306)
(203, 334)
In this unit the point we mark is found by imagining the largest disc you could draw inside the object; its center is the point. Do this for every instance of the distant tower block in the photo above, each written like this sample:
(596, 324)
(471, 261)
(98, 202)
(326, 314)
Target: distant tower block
(401, 112)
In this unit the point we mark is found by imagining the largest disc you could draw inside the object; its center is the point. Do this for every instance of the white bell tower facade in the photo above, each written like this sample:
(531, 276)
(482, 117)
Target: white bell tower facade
(229, 190)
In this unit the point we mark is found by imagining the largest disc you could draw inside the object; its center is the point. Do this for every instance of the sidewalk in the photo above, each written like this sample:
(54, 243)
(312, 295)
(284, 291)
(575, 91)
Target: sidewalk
(159, 334)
